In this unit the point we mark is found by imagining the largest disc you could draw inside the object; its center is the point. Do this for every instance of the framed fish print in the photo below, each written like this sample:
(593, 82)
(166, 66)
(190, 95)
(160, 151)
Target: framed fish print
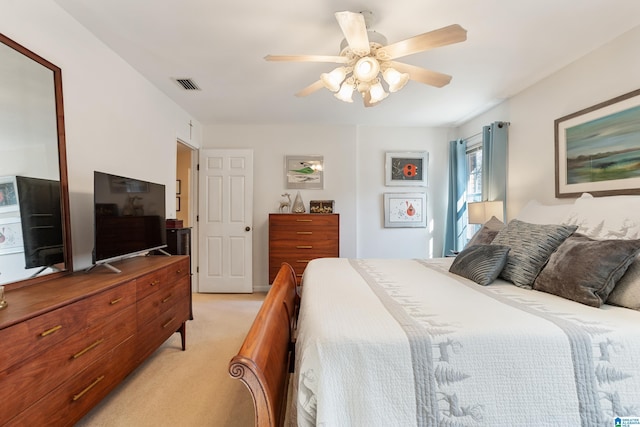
(304, 172)
(406, 168)
(405, 210)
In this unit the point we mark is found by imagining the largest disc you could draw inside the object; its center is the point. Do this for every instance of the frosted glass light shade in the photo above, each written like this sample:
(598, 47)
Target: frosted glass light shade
(366, 69)
(395, 79)
(377, 92)
(345, 92)
(333, 79)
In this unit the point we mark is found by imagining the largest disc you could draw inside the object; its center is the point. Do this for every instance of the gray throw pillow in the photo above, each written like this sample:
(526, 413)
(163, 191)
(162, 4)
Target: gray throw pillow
(626, 293)
(487, 233)
(531, 245)
(586, 270)
(480, 263)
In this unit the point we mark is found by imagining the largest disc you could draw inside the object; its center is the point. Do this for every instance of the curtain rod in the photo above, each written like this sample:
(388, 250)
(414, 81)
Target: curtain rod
(472, 136)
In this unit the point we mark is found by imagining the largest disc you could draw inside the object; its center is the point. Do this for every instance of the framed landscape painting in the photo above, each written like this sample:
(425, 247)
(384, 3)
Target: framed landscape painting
(598, 149)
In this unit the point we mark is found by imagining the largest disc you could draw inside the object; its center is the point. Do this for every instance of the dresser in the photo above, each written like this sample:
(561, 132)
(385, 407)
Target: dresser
(69, 341)
(298, 238)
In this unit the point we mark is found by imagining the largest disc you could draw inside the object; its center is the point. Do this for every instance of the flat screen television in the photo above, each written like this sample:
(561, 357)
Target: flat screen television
(41, 221)
(129, 217)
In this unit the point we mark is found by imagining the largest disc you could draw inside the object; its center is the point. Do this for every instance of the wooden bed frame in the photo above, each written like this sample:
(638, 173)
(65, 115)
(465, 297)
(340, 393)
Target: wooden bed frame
(266, 357)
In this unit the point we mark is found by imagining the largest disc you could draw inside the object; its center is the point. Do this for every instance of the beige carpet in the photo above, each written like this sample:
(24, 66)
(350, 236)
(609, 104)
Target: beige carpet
(190, 388)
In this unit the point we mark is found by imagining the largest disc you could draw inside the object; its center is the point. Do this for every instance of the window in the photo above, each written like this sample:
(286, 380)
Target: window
(474, 183)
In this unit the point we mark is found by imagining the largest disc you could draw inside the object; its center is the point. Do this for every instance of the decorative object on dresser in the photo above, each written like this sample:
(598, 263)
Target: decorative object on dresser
(75, 338)
(298, 238)
(298, 204)
(321, 206)
(285, 204)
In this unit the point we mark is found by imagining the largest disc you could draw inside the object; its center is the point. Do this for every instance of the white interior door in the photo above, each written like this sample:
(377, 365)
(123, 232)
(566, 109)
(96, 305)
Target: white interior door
(225, 226)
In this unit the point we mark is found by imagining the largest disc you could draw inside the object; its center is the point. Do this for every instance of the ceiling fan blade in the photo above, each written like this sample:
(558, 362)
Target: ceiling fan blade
(355, 31)
(311, 88)
(308, 58)
(422, 75)
(437, 38)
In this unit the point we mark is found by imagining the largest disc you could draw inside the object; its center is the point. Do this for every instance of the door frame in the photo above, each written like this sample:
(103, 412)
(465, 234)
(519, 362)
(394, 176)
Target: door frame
(193, 212)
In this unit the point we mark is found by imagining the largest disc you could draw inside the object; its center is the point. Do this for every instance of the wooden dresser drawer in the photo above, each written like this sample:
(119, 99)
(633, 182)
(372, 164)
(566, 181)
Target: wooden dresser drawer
(68, 403)
(25, 383)
(302, 220)
(156, 331)
(159, 302)
(162, 278)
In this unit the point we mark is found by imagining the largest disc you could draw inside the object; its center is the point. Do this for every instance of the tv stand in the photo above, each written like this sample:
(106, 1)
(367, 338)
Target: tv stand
(106, 264)
(163, 252)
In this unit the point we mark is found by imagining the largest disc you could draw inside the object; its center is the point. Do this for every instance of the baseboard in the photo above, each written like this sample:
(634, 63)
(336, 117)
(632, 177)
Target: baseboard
(261, 288)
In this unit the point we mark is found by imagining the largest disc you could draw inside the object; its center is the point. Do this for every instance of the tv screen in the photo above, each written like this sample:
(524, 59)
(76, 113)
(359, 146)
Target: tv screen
(129, 216)
(41, 219)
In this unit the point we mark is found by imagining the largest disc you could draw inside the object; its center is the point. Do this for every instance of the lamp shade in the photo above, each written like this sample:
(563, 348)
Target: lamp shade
(345, 92)
(481, 212)
(395, 79)
(333, 79)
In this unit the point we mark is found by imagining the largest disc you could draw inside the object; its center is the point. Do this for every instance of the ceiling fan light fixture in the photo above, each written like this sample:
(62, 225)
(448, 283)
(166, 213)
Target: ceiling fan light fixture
(366, 69)
(377, 92)
(346, 92)
(333, 79)
(395, 79)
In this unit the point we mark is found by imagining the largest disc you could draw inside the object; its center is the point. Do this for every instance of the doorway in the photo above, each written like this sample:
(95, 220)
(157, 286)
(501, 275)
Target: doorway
(187, 200)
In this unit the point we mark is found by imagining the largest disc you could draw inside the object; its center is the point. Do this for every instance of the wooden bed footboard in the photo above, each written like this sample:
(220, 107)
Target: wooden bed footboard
(265, 359)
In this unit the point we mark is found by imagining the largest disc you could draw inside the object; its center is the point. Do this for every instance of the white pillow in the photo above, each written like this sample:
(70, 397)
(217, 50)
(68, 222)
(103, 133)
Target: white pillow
(611, 217)
(535, 212)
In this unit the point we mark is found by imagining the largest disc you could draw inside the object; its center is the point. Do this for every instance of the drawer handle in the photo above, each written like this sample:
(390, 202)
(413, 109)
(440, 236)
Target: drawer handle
(167, 298)
(168, 323)
(304, 247)
(115, 301)
(178, 271)
(94, 345)
(304, 220)
(303, 260)
(89, 387)
(155, 282)
(304, 232)
(50, 331)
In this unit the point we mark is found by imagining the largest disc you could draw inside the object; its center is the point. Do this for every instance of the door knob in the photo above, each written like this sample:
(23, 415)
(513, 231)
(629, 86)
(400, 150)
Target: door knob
(247, 228)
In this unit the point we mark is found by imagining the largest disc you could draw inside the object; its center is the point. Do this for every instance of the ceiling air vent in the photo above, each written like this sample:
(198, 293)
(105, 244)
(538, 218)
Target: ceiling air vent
(187, 84)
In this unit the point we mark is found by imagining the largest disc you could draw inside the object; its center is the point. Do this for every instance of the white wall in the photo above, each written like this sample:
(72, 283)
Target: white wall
(611, 70)
(115, 120)
(375, 241)
(354, 162)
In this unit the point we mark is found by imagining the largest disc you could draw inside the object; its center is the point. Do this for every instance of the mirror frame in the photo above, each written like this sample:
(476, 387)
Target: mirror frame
(62, 166)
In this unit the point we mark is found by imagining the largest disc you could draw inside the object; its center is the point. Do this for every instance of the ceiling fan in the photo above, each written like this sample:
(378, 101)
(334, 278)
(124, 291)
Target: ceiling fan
(365, 56)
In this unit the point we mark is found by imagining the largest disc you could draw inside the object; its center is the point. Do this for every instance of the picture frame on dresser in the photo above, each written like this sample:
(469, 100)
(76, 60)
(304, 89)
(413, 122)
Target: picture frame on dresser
(597, 149)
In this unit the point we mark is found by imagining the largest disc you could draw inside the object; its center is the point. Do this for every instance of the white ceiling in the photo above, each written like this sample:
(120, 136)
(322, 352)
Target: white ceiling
(510, 45)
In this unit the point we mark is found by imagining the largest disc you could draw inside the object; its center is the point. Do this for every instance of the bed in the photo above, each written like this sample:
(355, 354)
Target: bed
(445, 342)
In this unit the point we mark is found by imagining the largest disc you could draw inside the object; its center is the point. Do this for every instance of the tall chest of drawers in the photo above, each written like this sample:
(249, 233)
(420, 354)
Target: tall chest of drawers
(298, 238)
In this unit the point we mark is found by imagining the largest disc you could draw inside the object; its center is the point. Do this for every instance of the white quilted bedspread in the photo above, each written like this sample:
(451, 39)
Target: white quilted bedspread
(405, 343)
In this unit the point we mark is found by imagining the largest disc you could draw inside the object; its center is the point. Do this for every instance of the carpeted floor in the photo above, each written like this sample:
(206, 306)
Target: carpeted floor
(190, 388)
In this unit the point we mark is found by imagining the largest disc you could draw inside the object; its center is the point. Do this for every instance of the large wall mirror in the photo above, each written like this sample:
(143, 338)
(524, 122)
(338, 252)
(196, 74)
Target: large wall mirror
(35, 239)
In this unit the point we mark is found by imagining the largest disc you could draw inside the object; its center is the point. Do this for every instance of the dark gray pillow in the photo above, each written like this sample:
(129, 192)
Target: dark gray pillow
(480, 263)
(586, 270)
(531, 245)
(487, 233)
